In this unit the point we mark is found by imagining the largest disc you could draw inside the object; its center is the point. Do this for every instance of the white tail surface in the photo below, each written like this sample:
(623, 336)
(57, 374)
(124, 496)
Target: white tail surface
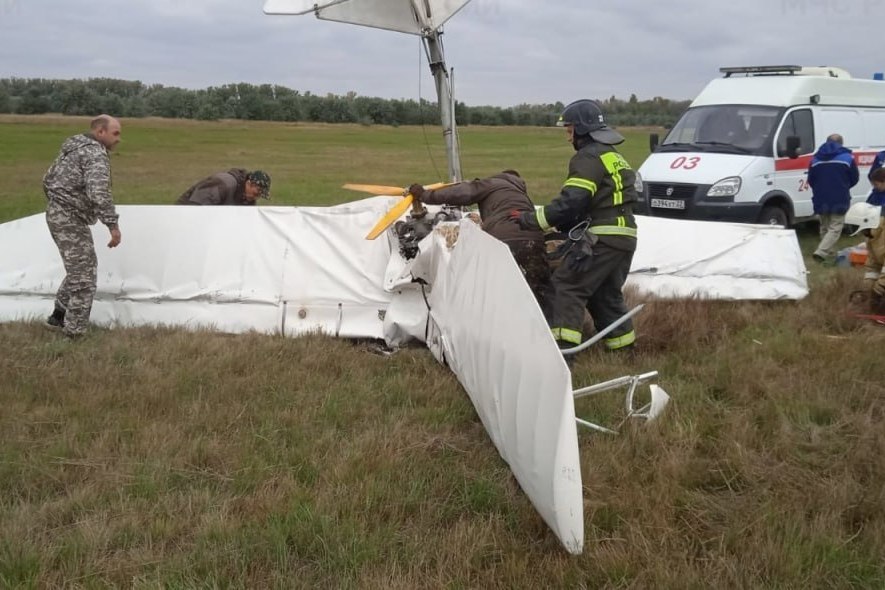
(405, 16)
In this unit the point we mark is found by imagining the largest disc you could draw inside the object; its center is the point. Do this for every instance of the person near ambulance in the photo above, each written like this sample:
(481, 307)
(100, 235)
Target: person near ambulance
(869, 221)
(831, 175)
(877, 181)
(877, 164)
(595, 209)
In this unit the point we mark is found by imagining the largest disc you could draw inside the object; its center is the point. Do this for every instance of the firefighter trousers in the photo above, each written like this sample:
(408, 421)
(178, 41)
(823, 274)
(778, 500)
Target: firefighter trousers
(599, 290)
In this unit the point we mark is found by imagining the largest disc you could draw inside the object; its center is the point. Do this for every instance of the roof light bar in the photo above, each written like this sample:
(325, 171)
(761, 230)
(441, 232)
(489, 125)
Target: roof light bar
(761, 70)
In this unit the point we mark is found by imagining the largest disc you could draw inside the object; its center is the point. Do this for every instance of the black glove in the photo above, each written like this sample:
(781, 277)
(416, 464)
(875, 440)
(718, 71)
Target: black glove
(525, 219)
(417, 191)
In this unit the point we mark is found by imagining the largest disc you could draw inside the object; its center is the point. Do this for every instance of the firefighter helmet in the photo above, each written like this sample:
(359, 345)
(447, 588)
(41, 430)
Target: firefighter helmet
(587, 119)
(864, 216)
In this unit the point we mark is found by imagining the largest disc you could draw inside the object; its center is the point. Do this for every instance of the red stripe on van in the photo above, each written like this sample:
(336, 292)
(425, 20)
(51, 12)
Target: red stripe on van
(863, 159)
(800, 163)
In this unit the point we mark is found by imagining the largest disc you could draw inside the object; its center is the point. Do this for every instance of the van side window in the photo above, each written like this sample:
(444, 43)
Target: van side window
(874, 126)
(845, 121)
(801, 124)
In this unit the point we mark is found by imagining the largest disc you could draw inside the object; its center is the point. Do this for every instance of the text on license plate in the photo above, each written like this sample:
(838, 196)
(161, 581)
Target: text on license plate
(668, 204)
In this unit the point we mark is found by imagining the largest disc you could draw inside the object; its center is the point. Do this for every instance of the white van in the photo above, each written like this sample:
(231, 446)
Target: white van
(742, 149)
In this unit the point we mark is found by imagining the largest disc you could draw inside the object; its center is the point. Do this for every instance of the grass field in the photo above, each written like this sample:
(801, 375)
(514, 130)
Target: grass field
(154, 457)
(158, 159)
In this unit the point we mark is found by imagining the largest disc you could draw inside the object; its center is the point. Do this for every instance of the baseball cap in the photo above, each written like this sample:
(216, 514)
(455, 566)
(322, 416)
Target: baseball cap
(262, 180)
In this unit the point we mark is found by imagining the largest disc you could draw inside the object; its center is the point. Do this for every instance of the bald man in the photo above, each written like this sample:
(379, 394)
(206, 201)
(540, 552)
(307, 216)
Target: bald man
(78, 190)
(832, 173)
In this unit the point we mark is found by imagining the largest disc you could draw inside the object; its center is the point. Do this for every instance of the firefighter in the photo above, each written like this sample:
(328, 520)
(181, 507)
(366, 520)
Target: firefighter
(595, 208)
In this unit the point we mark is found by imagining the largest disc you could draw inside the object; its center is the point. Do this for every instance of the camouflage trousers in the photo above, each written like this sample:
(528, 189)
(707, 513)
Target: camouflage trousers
(531, 257)
(74, 240)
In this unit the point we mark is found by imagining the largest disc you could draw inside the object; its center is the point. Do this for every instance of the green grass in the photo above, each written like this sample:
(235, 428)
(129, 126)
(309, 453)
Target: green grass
(154, 457)
(159, 159)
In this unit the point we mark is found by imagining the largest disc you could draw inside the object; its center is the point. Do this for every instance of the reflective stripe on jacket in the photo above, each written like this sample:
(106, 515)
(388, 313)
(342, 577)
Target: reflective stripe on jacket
(599, 188)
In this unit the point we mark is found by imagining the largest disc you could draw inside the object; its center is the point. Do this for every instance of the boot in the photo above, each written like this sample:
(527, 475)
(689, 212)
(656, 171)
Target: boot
(57, 320)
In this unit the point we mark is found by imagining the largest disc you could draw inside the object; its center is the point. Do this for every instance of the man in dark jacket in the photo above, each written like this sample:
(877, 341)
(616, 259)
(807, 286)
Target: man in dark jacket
(595, 207)
(877, 193)
(831, 175)
(878, 161)
(496, 196)
(78, 194)
(234, 187)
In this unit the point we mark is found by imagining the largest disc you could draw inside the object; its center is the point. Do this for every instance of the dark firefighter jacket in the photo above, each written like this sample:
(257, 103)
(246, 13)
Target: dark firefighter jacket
(496, 197)
(599, 188)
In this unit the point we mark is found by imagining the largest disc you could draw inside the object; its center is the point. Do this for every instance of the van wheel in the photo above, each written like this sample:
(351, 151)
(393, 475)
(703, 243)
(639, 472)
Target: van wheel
(773, 215)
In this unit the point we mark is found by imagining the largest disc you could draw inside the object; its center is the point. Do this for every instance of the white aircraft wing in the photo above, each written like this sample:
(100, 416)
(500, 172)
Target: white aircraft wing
(406, 16)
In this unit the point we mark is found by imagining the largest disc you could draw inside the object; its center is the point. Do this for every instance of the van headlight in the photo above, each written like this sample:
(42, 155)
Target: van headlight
(727, 187)
(638, 184)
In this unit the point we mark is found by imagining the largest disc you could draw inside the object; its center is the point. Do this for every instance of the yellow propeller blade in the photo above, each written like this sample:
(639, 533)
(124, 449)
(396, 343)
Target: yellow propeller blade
(397, 210)
(375, 189)
(391, 216)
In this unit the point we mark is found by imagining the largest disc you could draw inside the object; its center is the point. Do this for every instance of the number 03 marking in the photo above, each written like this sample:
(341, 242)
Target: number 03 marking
(685, 163)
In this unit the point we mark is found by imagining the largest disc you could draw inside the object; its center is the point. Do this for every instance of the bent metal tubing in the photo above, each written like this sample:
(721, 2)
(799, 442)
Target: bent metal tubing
(603, 333)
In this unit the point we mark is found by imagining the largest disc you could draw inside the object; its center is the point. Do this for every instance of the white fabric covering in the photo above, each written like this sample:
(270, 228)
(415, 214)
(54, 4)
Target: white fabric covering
(294, 270)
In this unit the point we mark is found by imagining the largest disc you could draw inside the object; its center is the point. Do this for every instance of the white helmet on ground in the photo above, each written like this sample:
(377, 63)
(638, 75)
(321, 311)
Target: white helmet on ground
(864, 216)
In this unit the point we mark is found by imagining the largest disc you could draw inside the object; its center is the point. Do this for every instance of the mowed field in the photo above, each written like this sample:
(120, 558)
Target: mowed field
(159, 159)
(155, 457)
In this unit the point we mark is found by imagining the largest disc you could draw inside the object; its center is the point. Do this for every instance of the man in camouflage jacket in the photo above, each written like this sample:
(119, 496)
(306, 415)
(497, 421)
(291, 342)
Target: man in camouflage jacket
(78, 190)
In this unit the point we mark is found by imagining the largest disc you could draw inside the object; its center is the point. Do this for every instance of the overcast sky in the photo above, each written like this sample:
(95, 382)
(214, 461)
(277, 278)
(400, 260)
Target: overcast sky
(504, 52)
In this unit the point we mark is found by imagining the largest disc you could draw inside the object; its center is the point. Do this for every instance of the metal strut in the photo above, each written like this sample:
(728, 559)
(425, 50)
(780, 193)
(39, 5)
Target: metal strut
(659, 398)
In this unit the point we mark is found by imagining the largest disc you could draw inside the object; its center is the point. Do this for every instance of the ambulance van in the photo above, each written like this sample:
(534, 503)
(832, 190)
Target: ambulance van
(742, 149)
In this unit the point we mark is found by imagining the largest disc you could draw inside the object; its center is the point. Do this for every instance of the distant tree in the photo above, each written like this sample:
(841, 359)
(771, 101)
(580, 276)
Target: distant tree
(376, 111)
(486, 115)
(75, 98)
(277, 103)
(291, 108)
(338, 110)
(111, 104)
(462, 113)
(207, 111)
(314, 109)
(134, 106)
(34, 103)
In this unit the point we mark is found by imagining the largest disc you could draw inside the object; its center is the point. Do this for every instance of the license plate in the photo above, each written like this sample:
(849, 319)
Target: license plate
(667, 204)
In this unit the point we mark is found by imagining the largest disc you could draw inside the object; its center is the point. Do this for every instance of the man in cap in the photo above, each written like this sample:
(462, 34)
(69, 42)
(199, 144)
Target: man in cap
(496, 196)
(595, 208)
(233, 187)
(78, 192)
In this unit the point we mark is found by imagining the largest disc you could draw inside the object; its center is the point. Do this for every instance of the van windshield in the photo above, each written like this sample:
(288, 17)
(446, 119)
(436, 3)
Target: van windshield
(730, 129)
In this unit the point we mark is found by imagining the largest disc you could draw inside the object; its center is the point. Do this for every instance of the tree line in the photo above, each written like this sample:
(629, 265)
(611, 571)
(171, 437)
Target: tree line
(270, 102)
